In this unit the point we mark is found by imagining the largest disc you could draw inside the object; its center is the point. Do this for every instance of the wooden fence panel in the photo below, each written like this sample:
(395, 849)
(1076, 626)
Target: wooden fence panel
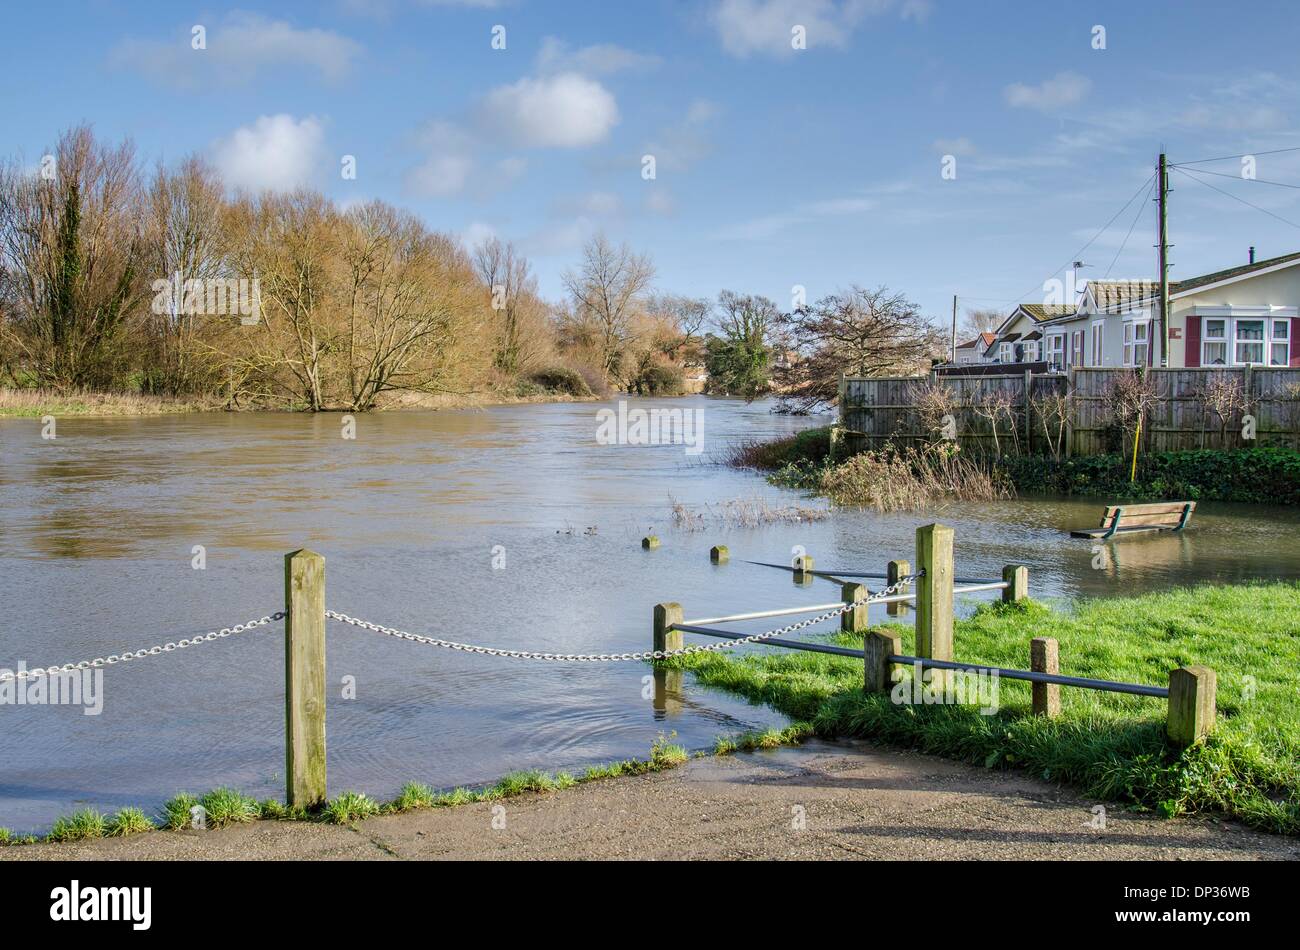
(878, 410)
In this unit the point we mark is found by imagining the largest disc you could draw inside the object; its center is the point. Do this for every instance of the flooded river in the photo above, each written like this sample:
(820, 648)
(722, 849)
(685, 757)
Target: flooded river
(512, 527)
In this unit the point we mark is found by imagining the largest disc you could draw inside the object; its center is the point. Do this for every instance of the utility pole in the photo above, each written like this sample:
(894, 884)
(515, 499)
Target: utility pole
(954, 328)
(1164, 263)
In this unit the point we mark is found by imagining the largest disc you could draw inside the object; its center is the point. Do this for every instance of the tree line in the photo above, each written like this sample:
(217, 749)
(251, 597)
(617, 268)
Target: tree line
(118, 277)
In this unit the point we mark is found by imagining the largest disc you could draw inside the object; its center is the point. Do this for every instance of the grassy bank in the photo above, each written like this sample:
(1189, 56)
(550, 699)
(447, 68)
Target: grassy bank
(1110, 745)
(34, 403)
(224, 806)
(1268, 475)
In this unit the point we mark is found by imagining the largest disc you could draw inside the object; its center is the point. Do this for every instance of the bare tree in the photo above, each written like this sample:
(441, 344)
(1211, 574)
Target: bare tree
(1054, 410)
(1128, 397)
(859, 332)
(1225, 396)
(996, 406)
(183, 244)
(606, 291)
(70, 257)
(513, 288)
(975, 322)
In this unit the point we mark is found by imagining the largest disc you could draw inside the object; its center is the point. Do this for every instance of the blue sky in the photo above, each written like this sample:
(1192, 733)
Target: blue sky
(775, 167)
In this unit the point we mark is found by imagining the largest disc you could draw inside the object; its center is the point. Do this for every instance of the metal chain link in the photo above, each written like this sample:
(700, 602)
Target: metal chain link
(620, 657)
(141, 654)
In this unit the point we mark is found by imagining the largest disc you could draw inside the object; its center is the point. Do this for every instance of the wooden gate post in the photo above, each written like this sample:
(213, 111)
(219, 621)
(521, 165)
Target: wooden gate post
(665, 638)
(304, 678)
(876, 650)
(893, 571)
(1191, 704)
(934, 592)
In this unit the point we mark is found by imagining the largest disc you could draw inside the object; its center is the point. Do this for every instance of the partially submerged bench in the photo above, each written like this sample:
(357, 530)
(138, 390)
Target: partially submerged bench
(1135, 519)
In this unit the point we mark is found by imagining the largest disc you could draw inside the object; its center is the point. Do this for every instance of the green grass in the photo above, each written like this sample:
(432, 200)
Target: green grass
(128, 821)
(1110, 745)
(80, 825)
(348, 808)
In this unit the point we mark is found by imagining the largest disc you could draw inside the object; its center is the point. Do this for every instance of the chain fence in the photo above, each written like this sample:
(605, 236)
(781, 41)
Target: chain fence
(172, 646)
(621, 657)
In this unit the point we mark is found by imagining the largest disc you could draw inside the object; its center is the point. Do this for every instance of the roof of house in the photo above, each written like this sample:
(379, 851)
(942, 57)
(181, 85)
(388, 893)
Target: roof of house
(1182, 286)
(1039, 312)
(1010, 338)
(1113, 296)
(1033, 335)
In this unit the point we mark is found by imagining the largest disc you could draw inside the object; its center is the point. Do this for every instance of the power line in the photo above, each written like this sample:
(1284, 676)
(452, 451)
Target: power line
(1077, 254)
(1130, 230)
(1262, 181)
(1229, 194)
(1224, 158)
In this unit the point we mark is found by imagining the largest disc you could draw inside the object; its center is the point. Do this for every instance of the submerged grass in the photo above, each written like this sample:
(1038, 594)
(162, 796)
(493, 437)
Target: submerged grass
(1110, 745)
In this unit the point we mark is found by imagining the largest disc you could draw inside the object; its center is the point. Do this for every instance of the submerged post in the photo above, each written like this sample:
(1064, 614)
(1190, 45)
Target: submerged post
(304, 678)
(1044, 657)
(1191, 704)
(893, 571)
(934, 592)
(855, 620)
(719, 554)
(1016, 577)
(666, 638)
(803, 566)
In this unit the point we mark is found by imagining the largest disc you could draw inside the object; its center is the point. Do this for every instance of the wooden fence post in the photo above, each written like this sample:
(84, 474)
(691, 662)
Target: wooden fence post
(1071, 408)
(665, 616)
(855, 620)
(304, 678)
(803, 566)
(876, 649)
(719, 554)
(893, 571)
(1191, 704)
(1044, 657)
(1029, 427)
(934, 592)
(1016, 577)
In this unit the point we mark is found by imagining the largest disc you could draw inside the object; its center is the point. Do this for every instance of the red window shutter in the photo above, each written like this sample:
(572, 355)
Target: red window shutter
(1295, 341)
(1192, 345)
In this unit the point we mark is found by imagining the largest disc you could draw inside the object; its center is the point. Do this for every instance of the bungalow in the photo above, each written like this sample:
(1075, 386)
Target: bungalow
(1244, 315)
(1020, 339)
(972, 351)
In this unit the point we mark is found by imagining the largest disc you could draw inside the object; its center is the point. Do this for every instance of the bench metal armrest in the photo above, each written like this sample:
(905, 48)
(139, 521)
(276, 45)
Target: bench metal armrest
(1114, 524)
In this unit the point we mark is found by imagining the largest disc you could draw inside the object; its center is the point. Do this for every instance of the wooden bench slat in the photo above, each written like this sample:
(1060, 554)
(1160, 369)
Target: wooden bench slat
(1126, 520)
(1159, 508)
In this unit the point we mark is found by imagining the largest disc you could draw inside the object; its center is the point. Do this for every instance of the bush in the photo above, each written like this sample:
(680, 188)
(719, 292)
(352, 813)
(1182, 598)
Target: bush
(1254, 475)
(561, 379)
(658, 380)
(811, 446)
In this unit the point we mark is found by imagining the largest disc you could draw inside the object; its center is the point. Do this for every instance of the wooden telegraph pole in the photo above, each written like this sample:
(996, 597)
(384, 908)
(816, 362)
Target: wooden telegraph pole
(1163, 186)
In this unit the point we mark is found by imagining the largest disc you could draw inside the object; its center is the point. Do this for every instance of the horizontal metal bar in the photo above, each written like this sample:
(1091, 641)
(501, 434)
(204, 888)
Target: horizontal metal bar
(959, 580)
(760, 614)
(1136, 689)
(774, 641)
(973, 588)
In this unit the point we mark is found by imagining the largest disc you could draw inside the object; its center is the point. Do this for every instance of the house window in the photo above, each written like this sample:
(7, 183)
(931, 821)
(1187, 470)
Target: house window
(1136, 337)
(1007, 353)
(1249, 341)
(1279, 346)
(1056, 351)
(1031, 351)
(1214, 343)
(1076, 348)
(1098, 332)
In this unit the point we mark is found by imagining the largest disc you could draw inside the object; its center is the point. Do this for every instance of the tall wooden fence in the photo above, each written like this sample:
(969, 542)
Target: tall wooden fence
(875, 410)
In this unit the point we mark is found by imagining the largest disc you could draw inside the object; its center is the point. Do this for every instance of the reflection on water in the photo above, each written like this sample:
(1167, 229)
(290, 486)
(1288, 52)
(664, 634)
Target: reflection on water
(97, 530)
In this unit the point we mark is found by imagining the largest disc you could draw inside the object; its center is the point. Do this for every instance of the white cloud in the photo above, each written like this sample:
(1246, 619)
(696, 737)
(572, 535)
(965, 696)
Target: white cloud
(476, 235)
(746, 27)
(237, 48)
(768, 226)
(1063, 89)
(660, 202)
(957, 146)
(563, 111)
(601, 59)
(276, 152)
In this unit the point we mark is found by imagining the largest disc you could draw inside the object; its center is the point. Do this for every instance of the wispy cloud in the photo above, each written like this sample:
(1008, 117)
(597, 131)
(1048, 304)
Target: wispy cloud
(1063, 89)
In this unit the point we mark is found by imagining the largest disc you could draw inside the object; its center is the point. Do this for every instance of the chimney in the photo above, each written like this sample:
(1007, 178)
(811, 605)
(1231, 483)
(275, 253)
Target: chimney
(1252, 254)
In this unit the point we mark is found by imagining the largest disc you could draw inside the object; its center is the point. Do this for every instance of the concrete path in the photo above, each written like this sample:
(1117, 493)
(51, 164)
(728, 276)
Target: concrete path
(822, 800)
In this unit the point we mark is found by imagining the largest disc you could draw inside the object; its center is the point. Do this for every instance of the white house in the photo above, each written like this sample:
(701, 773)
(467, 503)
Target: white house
(1244, 315)
(972, 351)
(1020, 339)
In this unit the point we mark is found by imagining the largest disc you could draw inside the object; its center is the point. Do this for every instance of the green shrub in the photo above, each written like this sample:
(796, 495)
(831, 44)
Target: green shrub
(561, 379)
(1252, 475)
(658, 380)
